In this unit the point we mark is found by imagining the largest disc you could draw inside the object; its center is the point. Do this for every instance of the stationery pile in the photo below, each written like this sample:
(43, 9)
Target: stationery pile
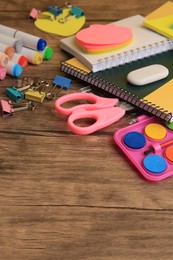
(140, 73)
(109, 71)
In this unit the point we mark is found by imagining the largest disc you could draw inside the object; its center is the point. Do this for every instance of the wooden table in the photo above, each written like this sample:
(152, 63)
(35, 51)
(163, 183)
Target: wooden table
(65, 196)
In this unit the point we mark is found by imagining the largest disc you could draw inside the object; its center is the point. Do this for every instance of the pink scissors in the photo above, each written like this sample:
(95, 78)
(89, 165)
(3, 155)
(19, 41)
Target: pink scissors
(101, 109)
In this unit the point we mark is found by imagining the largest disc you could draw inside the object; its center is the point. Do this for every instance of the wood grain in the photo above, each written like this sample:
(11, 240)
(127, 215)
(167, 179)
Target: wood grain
(64, 196)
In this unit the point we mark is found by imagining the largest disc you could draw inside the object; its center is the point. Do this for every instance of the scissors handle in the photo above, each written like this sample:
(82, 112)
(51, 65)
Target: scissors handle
(97, 102)
(103, 117)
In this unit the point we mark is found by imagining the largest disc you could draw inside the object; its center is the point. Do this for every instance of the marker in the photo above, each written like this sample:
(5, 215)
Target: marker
(3, 72)
(20, 59)
(7, 50)
(33, 56)
(4, 59)
(15, 43)
(14, 69)
(47, 53)
(29, 40)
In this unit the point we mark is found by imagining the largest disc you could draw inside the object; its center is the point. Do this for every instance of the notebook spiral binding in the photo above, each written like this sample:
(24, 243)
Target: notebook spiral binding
(116, 91)
(132, 55)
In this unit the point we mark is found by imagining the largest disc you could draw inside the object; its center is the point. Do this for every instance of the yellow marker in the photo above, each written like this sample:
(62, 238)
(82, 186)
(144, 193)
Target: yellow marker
(35, 95)
(155, 131)
(34, 57)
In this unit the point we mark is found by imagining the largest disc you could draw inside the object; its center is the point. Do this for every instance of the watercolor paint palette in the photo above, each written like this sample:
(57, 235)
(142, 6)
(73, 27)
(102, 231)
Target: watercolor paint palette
(148, 144)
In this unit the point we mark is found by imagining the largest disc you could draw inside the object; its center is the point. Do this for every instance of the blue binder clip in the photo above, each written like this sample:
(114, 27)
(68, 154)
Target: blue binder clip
(59, 81)
(54, 10)
(14, 94)
(62, 82)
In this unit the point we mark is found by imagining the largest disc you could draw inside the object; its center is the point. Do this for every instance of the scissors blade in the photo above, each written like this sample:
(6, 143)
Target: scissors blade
(126, 106)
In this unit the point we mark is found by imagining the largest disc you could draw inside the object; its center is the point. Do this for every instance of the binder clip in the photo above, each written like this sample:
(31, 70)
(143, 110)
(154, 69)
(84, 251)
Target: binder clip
(16, 94)
(75, 12)
(34, 95)
(8, 109)
(34, 14)
(54, 10)
(59, 81)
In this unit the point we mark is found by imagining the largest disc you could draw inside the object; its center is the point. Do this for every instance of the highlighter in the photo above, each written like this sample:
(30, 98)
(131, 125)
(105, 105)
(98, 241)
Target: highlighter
(7, 50)
(20, 59)
(4, 59)
(47, 53)
(15, 43)
(34, 57)
(29, 40)
(14, 69)
(3, 72)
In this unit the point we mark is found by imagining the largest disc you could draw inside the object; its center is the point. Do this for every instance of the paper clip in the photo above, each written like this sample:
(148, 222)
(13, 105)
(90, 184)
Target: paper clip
(66, 5)
(63, 82)
(8, 109)
(16, 94)
(75, 12)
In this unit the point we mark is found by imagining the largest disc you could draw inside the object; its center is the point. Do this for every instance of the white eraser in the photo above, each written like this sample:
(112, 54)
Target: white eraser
(147, 74)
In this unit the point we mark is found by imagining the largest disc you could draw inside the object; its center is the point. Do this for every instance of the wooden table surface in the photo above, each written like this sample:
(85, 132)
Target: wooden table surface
(65, 196)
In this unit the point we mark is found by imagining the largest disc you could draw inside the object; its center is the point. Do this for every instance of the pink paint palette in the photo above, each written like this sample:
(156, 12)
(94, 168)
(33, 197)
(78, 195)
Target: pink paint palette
(148, 144)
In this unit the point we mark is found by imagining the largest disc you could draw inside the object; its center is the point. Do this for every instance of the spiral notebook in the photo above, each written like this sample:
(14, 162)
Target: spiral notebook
(145, 43)
(155, 98)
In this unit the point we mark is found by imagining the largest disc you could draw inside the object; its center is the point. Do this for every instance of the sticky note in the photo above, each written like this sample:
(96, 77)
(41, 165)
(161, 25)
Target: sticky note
(101, 34)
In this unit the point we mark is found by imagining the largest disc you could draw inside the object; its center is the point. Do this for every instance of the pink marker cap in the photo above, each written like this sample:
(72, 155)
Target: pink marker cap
(3, 72)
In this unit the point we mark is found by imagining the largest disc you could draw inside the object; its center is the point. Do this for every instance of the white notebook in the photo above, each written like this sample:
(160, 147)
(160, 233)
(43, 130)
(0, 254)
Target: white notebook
(145, 43)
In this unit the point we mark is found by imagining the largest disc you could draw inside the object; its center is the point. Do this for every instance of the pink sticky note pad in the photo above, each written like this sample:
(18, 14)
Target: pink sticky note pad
(102, 48)
(100, 34)
(3, 72)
